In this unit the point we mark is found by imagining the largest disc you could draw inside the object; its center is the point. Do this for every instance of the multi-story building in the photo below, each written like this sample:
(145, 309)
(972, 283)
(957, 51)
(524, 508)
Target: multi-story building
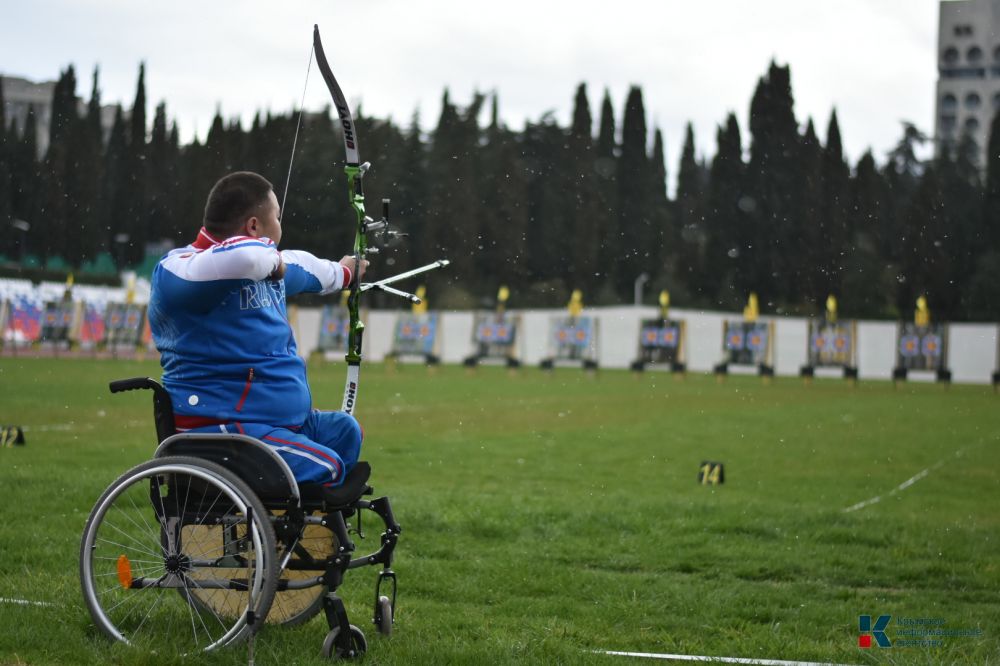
(18, 95)
(968, 87)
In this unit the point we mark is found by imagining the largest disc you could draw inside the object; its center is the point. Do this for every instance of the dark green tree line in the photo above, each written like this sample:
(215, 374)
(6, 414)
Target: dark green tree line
(545, 209)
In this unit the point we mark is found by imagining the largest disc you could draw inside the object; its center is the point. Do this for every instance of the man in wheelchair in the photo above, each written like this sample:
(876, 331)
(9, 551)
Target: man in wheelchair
(240, 517)
(230, 363)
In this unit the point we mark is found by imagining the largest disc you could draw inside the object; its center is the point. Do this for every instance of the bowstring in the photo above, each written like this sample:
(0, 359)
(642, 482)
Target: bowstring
(298, 126)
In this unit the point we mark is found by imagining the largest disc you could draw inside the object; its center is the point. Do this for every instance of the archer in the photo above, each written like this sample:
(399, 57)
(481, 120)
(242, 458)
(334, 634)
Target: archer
(230, 362)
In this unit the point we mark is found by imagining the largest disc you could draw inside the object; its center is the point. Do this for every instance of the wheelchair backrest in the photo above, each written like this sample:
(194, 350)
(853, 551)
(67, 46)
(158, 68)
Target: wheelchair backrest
(260, 466)
(163, 412)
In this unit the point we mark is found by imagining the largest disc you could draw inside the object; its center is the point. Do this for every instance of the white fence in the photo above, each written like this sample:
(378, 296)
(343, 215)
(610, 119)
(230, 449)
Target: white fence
(972, 348)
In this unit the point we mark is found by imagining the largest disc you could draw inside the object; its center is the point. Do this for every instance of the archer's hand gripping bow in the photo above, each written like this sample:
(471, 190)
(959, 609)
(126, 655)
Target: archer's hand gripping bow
(355, 170)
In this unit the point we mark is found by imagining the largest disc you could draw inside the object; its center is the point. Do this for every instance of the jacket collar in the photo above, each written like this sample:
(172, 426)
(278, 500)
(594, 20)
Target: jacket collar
(204, 240)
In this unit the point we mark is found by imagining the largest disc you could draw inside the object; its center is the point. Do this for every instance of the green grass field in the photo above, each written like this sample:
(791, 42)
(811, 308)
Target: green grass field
(550, 516)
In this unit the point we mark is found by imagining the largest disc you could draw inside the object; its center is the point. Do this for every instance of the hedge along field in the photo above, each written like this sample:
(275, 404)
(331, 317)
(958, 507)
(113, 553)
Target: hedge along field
(548, 517)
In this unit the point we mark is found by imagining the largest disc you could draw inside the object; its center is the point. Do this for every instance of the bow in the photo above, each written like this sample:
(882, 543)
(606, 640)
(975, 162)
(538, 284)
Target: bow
(355, 171)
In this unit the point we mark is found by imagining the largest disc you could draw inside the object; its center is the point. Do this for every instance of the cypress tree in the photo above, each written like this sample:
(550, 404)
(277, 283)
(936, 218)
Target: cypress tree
(583, 198)
(605, 168)
(665, 265)
(834, 178)
(902, 173)
(317, 218)
(426, 243)
(504, 196)
(408, 204)
(811, 247)
(983, 301)
(137, 192)
(25, 174)
(991, 189)
(384, 146)
(217, 159)
(728, 274)
(776, 180)
(453, 229)
(867, 287)
(6, 193)
(466, 238)
(86, 238)
(3, 117)
(961, 233)
(689, 245)
(926, 265)
(115, 190)
(194, 186)
(163, 222)
(637, 253)
(53, 230)
(549, 229)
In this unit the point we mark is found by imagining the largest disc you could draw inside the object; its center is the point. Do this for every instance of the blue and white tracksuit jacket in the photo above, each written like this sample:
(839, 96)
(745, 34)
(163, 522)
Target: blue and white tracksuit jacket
(229, 356)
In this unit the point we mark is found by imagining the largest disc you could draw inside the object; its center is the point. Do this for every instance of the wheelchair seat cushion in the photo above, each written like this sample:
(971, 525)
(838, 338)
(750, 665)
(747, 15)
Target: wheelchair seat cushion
(354, 486)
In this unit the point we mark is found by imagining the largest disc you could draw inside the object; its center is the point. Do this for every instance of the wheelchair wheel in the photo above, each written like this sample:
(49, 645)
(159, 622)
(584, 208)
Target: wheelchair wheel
(293, 607)
(168, 561)
(358, 644)
(383, 615)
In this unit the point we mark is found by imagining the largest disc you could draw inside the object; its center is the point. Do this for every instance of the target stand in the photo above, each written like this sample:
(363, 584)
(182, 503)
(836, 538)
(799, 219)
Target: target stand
(416, 340)
(573, 343)
(831, 350)
(661, 346)
(748, 348)
(921, 353)
(494, 336)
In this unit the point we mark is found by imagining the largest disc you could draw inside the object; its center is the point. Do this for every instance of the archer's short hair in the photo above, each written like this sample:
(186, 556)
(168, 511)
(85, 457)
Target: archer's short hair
(232, 200)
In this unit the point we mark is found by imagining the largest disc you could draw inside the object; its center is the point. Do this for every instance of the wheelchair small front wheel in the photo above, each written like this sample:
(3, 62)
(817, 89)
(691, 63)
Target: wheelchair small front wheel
(333, 651)
(383, 615)
(168, 561)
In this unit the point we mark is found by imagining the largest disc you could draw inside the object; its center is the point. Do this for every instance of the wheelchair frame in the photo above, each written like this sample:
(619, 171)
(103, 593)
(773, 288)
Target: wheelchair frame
(249, 498)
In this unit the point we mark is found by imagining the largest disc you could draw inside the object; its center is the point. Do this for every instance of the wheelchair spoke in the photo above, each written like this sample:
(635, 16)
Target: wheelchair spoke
(142, 514)
(144, 551)
(217, 616)
(133, 537)
(191, 614)
(133, 598)
(159, 598)
(142, 574)
(131, 560)
(197, 543)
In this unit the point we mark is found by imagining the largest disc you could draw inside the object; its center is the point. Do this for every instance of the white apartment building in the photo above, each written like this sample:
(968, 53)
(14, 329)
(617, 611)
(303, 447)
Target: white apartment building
(968, 87)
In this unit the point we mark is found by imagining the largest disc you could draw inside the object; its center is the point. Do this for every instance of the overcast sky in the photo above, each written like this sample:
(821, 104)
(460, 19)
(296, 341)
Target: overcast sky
(872, 60)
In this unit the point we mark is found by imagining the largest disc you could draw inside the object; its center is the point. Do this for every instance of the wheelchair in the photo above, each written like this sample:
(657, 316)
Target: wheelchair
(199, 547)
